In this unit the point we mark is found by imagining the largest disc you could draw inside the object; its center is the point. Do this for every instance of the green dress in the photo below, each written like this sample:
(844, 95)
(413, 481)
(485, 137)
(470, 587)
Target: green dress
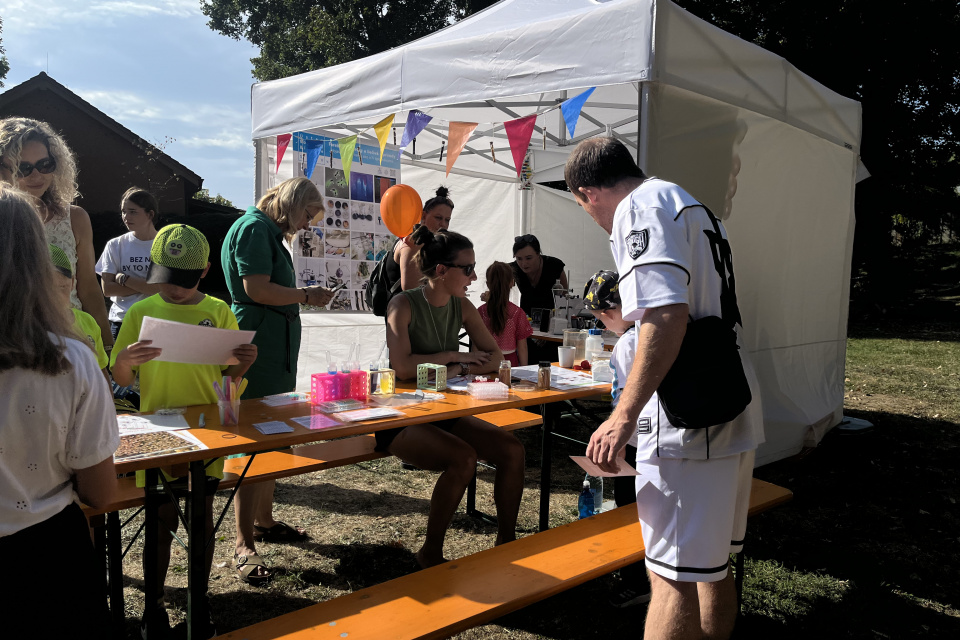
(254, 245)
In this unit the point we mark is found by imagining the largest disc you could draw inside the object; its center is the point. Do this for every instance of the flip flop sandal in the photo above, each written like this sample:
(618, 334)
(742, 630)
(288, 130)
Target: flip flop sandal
(247, 569)
(280, 532)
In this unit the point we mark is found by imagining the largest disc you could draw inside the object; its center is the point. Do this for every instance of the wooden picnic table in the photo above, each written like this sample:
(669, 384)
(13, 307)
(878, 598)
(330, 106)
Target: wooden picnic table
(245, 438)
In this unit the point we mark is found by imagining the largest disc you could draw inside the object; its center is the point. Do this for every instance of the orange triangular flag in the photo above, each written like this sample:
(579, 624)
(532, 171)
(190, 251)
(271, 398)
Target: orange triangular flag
(382, 129)
(457, 137)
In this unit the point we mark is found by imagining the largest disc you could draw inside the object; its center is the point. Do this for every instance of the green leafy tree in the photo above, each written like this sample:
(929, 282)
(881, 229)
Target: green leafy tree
(4, 63)
(295, 36)
(901, 60)
(204, 196)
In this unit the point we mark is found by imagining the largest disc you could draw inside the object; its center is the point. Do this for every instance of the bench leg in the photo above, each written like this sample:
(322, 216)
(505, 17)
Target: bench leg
(197, 551)
(153, 497)
(549, 412)
(472, 503)
(115, 568)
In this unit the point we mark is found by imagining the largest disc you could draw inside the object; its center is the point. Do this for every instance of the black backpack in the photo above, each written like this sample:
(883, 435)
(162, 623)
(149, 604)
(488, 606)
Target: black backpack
(379, 289)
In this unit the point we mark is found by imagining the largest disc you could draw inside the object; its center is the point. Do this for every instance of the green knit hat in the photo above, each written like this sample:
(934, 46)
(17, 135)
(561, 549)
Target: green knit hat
(178, 256)
(60, 261)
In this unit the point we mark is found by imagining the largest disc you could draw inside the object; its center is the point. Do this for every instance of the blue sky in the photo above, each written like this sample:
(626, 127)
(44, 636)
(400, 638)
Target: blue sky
(152, 65)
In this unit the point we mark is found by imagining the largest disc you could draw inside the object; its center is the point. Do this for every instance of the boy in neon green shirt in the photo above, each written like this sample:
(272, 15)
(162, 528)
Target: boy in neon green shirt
(179, 259)
(82, 322)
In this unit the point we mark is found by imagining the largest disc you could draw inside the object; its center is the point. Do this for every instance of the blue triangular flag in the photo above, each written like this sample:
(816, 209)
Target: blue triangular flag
(314, 147)
(571, 109)
(416, 122)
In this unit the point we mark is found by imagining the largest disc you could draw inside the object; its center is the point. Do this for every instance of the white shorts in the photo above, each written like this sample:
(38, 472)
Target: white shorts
(693, 514)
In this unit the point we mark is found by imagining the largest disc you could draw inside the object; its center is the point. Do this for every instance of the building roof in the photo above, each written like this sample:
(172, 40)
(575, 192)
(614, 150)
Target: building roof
(43, 82)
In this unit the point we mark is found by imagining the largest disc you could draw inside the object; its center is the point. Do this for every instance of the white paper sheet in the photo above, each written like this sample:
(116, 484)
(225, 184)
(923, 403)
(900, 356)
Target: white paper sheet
(149, 423)
(560, 379)
(193, 344)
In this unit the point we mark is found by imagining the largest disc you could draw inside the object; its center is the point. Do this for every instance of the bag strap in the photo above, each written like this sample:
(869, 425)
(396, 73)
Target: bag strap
(723, 263)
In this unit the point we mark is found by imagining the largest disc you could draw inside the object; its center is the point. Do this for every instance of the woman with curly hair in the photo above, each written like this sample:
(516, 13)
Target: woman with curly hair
(36, 160)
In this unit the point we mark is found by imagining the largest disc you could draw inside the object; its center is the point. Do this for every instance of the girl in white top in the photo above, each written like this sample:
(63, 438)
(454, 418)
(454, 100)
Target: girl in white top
(36, 160)
(58, 432)
(126, 259)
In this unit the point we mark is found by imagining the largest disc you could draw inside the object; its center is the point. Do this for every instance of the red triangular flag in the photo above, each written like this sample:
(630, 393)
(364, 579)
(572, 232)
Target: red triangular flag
(283, 141)
(519, 133)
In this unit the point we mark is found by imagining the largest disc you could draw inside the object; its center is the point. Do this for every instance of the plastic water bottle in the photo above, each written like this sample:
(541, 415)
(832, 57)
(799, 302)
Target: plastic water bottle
(594, 345)
(585, 504)
(596, 487)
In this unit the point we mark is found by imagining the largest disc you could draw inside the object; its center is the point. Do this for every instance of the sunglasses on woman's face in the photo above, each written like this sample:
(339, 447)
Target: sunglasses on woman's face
(44, 165)
(467, 269)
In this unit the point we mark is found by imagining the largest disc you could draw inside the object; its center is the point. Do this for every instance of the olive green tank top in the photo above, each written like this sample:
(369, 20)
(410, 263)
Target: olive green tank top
(433, 329)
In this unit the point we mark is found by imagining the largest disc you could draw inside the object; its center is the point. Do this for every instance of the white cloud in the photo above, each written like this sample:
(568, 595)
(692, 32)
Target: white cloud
(223, 140)
(26, 16)
(126, 106)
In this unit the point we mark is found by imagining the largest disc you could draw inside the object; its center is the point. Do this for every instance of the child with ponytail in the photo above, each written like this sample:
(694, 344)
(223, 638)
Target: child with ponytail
(506, 321)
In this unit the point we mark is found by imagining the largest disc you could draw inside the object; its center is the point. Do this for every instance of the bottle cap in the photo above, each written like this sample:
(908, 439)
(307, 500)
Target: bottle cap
(586, 484)
(596, 332)
(545, 363)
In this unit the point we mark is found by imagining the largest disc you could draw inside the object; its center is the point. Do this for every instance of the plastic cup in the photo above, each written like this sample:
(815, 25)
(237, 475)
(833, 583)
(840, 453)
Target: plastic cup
(229, 412)
(566, 356)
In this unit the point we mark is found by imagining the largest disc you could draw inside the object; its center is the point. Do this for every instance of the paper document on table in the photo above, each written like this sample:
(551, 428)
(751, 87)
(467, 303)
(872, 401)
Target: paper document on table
(147, 445)
(150, 423)
(269, 428)
(560, 379)
(587, 465)
(193, 344)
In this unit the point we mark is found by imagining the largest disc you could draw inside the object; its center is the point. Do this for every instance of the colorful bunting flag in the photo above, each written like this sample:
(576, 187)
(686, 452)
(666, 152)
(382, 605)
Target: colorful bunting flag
(314, 147)
(347, 146)
(283, 141)
(416, 122)
(571, 109)
(457, 137)
(519, 133)
(382, 130)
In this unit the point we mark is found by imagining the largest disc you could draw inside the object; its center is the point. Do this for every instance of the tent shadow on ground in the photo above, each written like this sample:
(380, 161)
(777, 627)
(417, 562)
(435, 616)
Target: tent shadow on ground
(343, 500)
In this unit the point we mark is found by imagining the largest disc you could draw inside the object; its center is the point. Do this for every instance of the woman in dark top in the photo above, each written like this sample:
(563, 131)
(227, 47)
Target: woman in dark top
(423, 326)
(535, 273)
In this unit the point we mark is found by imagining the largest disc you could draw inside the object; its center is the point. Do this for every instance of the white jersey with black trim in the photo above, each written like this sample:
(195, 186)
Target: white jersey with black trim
(663, 243)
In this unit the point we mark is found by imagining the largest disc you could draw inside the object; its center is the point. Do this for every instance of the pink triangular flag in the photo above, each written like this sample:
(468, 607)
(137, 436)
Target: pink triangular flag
(457, 137)
(283, 141)
(519, 133)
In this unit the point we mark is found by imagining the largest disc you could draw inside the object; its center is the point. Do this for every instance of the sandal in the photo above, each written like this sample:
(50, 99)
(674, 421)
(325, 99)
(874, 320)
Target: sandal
(247, 567)
(280, 532)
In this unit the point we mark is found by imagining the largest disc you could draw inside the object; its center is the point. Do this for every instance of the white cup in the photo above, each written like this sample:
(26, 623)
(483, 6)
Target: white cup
(566, 356)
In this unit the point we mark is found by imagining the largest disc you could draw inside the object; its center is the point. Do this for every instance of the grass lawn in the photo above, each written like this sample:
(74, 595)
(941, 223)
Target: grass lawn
(867, 549)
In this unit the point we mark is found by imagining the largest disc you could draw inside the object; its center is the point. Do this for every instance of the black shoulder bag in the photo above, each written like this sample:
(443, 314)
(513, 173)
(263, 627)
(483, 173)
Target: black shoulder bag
(706, 385)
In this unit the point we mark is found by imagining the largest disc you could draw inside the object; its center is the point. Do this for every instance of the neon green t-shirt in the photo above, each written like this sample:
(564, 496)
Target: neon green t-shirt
(176, 384)
(86, 326)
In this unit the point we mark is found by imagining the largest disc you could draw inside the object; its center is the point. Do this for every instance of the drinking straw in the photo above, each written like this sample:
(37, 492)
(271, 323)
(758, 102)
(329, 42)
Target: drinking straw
(380, 355)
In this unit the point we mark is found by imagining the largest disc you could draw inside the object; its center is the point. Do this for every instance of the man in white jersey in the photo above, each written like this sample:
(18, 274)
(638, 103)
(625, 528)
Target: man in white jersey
(694, 484)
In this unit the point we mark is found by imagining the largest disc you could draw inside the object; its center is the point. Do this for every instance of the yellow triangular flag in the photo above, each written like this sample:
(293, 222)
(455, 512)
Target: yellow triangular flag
(347, 146)
(457, 137)
(383, 129)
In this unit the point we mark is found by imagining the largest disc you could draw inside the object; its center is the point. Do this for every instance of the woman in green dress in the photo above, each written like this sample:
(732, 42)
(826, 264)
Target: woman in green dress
(423, 326)
(259, 273)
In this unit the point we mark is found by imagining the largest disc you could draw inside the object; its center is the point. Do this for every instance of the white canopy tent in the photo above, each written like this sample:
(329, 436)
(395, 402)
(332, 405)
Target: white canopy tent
(766, 147)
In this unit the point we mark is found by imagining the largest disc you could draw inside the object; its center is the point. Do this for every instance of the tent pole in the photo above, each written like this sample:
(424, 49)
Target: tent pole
(643, 127)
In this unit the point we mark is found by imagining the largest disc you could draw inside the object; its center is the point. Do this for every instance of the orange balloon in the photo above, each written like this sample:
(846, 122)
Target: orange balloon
(401, 209)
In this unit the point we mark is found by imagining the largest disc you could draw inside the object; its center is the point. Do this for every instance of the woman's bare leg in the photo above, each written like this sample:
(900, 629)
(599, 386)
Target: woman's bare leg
(502, 449)
(434, 449)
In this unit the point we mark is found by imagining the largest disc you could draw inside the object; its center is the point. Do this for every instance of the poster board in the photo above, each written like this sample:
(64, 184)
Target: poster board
(348, 238)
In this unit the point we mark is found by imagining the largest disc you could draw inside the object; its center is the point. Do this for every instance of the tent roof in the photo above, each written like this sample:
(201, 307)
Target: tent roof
(523, 56)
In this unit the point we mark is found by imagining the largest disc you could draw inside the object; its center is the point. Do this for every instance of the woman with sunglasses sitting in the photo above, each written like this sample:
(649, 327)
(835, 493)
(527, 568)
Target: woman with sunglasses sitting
(423, 326)
(36, 160)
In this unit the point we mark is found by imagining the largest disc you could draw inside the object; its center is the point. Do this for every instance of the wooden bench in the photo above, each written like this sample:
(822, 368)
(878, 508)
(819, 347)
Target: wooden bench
(271, 465)
(448, 598)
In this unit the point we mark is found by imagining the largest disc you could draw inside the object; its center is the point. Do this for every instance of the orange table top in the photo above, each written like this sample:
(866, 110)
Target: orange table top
(244, 438)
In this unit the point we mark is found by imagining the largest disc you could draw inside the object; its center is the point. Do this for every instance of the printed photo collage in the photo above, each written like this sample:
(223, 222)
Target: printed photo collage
(348, 238)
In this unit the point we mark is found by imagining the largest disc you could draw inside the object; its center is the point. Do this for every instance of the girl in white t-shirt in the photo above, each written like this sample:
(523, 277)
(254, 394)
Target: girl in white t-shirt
(126, 259)
(58, 433)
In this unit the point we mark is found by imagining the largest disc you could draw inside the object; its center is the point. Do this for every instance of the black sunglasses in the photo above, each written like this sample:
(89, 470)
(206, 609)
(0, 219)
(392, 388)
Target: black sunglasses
(527, 237)
(45, 166)
(468, 269)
